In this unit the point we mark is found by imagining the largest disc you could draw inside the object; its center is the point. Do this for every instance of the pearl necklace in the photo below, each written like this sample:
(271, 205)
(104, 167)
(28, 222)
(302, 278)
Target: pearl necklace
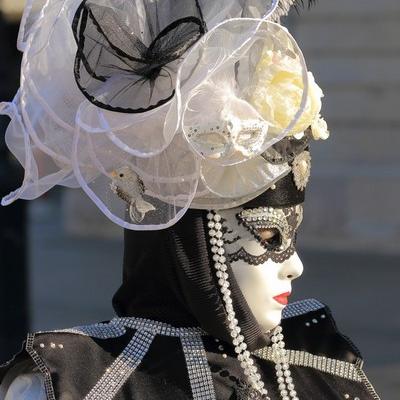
(283, 374)
(284, 379)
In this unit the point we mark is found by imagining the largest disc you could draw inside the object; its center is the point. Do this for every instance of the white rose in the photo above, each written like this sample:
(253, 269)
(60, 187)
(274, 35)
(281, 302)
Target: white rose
(278, 89)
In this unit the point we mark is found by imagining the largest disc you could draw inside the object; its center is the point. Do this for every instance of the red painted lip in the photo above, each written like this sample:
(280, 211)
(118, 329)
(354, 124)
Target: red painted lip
(282, 298)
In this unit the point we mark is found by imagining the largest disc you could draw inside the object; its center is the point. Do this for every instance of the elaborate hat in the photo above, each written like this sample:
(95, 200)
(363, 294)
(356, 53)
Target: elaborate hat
(153, 107)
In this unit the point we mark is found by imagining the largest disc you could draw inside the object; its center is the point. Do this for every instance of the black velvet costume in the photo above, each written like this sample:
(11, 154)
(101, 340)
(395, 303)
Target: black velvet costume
(171, 339)
(168, 278)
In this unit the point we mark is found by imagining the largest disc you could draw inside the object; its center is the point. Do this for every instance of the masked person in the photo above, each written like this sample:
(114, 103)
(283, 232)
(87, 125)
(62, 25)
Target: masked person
(188, 124)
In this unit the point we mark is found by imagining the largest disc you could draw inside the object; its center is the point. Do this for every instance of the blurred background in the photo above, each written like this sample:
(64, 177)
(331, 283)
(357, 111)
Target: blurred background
(60, 259)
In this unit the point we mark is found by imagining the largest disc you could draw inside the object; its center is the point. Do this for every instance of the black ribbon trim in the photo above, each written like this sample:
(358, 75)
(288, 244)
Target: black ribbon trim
(285, 194)
(154, 61)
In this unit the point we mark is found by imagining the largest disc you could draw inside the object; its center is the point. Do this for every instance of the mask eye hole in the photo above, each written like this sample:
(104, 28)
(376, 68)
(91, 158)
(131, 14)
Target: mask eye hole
(270, 236)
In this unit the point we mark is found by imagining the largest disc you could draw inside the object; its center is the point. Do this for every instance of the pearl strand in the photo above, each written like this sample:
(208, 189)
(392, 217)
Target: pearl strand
(243, 355)
(283, 374)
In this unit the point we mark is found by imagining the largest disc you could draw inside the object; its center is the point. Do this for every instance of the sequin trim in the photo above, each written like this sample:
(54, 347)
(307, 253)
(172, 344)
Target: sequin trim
(284, 220)
(160, 328)
(117, 327)
(268, 218)
(301, 169)
(98, 331)
(366, 381)
(301, 307)
(331, 366)
(122, 368)
(199, 371)
(48, 385)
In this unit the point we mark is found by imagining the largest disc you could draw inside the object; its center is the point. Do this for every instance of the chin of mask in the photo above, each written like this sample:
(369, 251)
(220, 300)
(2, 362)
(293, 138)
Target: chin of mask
(260, 247)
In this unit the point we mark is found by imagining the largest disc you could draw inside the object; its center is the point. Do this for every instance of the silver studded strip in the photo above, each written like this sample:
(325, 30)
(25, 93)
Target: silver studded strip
(117, 327)
(366, 381)
(331, 366)
(117, 374)
(301, 307)
(98, 331)
(122, 368)
(48, 385)
(160, 328)
(198, 368)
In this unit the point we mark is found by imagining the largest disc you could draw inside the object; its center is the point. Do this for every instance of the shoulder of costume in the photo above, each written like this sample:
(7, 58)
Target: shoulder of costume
(309, 325)
(19, 364)
(302, 307)
(54, 352)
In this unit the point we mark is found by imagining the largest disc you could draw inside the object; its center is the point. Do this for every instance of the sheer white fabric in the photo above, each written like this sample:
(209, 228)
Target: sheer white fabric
(62, 138)
(31, 15)
(26, 387)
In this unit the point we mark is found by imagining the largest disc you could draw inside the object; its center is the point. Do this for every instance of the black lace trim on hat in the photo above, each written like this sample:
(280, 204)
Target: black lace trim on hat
(116, 68)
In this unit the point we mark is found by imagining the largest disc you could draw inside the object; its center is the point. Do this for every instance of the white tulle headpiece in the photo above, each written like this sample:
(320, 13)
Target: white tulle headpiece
(153, 107)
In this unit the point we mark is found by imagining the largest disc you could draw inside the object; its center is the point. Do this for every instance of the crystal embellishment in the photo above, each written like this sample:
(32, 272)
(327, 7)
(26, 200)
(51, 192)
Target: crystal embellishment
(301, 168)
(122, 368)
(331, 366)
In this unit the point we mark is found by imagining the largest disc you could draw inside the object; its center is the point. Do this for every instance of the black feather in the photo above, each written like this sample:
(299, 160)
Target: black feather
(285, 5)
(303, 4)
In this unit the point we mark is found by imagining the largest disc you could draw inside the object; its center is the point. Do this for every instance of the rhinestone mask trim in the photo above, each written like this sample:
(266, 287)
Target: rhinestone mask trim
(284, 220)
(225, 138)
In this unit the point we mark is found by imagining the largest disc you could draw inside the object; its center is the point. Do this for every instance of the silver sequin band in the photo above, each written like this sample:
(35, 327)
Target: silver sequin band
(118, 373)
(301, 307)
(366, 381)
(199, 371)
(331, 366)
(122, 368)
(48, 385)
(117, 327)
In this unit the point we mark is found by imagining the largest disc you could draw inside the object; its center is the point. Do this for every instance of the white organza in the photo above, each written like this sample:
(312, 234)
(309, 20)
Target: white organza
(61, 138)
(140, 135)
(41, 171)
(170, 179)
(26, 387)
(224, 64)
(216, 11)
(33, 12)
(205, 200)
(236, 181)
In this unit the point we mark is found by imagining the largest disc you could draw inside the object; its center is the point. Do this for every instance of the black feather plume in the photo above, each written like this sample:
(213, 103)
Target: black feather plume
(284, 7)
(303, 4)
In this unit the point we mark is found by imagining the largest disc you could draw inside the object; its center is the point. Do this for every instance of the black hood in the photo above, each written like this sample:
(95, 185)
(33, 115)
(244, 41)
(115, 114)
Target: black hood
(169, 277)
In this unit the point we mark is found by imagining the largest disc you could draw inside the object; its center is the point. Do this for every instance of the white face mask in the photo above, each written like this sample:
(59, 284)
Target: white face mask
(259, 245)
